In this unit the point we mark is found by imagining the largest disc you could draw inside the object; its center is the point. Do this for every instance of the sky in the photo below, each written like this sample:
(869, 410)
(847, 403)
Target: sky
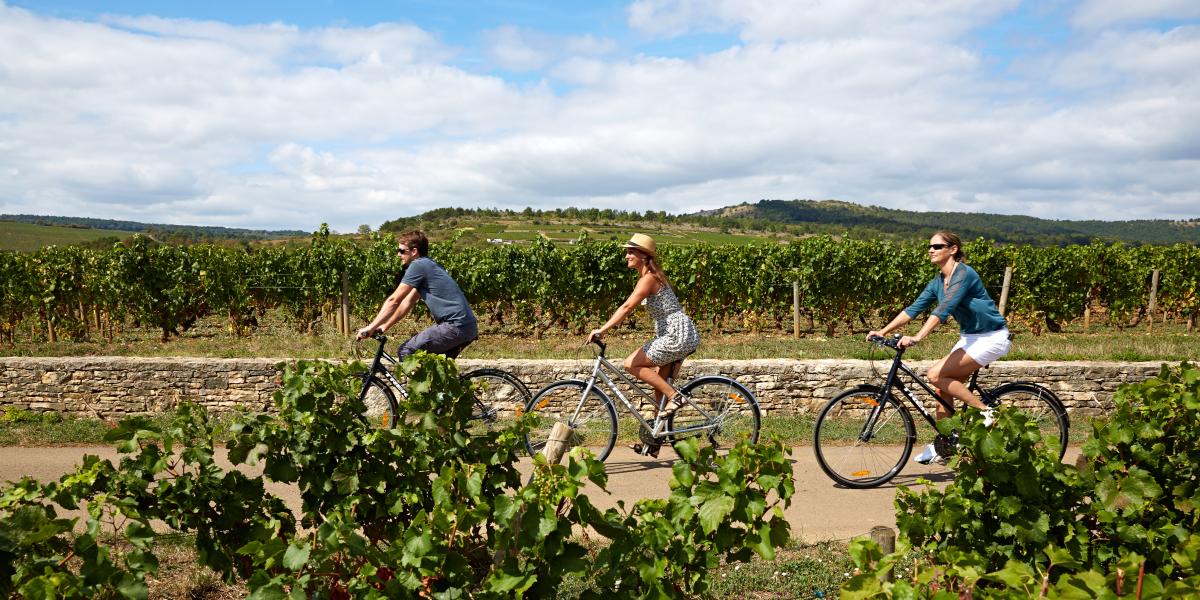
(286, 115)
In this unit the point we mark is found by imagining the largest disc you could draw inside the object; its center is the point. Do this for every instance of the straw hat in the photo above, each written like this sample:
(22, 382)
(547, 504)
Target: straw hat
(643, 242)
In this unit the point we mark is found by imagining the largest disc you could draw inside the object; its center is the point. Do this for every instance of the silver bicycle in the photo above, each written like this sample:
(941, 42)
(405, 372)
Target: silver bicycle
(718, 409)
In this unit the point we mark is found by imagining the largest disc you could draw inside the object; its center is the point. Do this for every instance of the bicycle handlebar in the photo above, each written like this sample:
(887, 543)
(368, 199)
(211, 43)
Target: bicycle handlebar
(892, 342)
(600, 343)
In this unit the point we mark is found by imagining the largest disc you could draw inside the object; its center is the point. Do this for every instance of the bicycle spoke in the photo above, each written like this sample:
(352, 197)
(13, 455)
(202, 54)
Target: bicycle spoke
(593, 421)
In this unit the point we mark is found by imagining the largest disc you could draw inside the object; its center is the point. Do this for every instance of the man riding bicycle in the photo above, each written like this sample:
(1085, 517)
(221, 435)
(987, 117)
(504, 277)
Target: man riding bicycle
(455, 326)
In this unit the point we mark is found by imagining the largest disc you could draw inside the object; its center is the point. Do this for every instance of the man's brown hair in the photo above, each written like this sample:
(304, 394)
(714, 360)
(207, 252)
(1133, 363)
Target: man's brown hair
(416, 239)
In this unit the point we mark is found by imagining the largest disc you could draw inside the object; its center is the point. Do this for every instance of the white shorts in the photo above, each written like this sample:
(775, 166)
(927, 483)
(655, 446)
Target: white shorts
(984, 348)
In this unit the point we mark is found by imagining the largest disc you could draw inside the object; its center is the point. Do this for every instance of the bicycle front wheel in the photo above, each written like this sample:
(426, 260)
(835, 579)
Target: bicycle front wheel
(1041, 406)
(498, 398)
(721, 410)
(592, 418)
(853, 450)
(380, 405)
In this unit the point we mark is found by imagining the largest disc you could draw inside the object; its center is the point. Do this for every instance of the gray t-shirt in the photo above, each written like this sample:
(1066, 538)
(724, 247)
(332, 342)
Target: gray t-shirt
(441, 294)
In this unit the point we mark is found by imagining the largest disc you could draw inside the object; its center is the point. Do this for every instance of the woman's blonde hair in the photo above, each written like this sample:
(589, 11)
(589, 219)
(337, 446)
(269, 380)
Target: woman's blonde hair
(652, 264)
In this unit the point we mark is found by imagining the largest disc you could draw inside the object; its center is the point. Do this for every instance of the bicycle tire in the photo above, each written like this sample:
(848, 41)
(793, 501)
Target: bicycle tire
(839, 445)
(1041, 405)
(595, 426)
(379, 403)
(719, 401)
(498, 397)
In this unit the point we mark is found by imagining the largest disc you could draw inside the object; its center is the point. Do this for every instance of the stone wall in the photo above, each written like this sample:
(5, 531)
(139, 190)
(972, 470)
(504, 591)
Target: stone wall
(116, 386)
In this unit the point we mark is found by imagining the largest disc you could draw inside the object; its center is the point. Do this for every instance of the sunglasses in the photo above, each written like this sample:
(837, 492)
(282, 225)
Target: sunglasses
(938, 246)
(402, 250)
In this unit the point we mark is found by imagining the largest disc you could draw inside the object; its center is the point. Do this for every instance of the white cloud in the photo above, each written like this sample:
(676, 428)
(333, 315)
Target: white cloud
(522, 50)
(1103, 13)
(768, 20)
(274, 126)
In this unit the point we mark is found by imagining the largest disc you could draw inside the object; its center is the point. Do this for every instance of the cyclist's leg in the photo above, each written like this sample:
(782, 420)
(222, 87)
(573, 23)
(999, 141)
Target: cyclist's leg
(669, 372)
(949, 376)
(641, 366)
(441, 338)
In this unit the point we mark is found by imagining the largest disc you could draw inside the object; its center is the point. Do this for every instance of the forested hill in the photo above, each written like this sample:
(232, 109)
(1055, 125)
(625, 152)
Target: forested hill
(780, 218)
(187, 233)
(1005, 228)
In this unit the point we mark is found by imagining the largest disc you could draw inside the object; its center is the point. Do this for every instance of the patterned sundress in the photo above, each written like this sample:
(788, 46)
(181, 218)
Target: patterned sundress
(675, 333)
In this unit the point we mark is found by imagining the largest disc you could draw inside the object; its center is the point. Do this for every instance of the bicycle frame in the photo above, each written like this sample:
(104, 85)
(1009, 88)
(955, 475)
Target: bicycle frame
(600, 370)
(382, 354)
(893, 380)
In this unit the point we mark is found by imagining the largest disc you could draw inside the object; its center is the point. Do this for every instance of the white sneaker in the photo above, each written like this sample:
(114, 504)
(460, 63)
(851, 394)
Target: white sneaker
(927, 456)
(988, 413)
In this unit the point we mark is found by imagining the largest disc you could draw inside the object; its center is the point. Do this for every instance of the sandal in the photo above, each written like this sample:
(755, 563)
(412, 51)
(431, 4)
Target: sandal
(673, 405)
(650, 450)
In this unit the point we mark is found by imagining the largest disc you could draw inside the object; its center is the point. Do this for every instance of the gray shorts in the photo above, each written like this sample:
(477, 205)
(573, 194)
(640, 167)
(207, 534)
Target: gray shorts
(443, 338)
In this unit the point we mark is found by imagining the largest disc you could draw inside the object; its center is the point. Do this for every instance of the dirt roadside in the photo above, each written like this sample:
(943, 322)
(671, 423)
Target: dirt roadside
(820, 510)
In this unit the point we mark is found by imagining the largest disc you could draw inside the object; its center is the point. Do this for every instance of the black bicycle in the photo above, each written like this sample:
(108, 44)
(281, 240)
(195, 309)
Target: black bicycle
(863, 437)
(498, 394)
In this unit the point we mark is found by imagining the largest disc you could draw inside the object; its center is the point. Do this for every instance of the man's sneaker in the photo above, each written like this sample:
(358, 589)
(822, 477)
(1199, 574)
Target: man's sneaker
(927, 456)
(988, 413)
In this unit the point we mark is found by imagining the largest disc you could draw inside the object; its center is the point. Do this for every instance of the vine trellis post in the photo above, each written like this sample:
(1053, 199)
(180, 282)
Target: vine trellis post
(796, 308)
(1004, 290)
(1153, 298)
(344, 308)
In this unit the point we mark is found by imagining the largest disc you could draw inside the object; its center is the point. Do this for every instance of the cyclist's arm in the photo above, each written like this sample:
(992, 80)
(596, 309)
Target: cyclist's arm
(641, 291)
(930, 324)
(896, 323)
(406, 305)
(393, 310)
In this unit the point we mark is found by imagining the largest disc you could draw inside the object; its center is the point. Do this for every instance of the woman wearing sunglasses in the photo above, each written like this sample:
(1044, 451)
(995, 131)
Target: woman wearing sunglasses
(958, 292)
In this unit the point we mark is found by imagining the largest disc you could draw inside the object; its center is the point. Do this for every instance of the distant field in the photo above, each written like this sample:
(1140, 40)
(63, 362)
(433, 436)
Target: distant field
(26, 237)
(478, 231)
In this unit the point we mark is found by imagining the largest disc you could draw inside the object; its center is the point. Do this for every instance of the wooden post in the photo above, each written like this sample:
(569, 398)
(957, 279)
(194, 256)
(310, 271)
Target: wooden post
(1087, 317)
(344, 310)
(886, 538)
(1153, 297)
(1004, 290)
(796, 309)
(559, 443)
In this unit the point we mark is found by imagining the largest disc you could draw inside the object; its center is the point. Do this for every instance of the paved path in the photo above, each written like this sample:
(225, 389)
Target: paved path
(819, 511)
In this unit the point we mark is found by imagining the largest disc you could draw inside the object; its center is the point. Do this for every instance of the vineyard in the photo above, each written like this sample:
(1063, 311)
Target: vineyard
(74, 293)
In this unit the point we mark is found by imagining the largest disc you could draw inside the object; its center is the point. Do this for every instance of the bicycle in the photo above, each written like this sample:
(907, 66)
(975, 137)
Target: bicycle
(497, 394)
(880, 431)
(718, 407)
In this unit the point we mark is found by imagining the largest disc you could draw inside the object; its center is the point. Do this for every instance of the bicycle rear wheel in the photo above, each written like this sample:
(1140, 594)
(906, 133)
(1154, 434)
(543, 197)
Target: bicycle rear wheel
(1041, 406)
(499, 397)
(721, 410)
(592, 418)
(858, 456)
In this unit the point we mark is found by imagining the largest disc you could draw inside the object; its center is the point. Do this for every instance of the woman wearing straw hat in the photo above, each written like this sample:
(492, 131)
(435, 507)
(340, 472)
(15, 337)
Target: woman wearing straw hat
(675, 334)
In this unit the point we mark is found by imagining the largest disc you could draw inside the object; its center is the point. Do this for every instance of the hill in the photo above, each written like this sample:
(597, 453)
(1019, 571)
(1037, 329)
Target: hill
(782, 219)
(1002, 228)
(29, 232)
(27, 237)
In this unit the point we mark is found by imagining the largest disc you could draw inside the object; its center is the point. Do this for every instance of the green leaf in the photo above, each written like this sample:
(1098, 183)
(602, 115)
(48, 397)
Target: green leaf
(714, 511)
(296, 556)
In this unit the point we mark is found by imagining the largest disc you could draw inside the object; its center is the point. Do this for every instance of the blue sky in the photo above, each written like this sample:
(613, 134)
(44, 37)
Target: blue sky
(286, 115)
